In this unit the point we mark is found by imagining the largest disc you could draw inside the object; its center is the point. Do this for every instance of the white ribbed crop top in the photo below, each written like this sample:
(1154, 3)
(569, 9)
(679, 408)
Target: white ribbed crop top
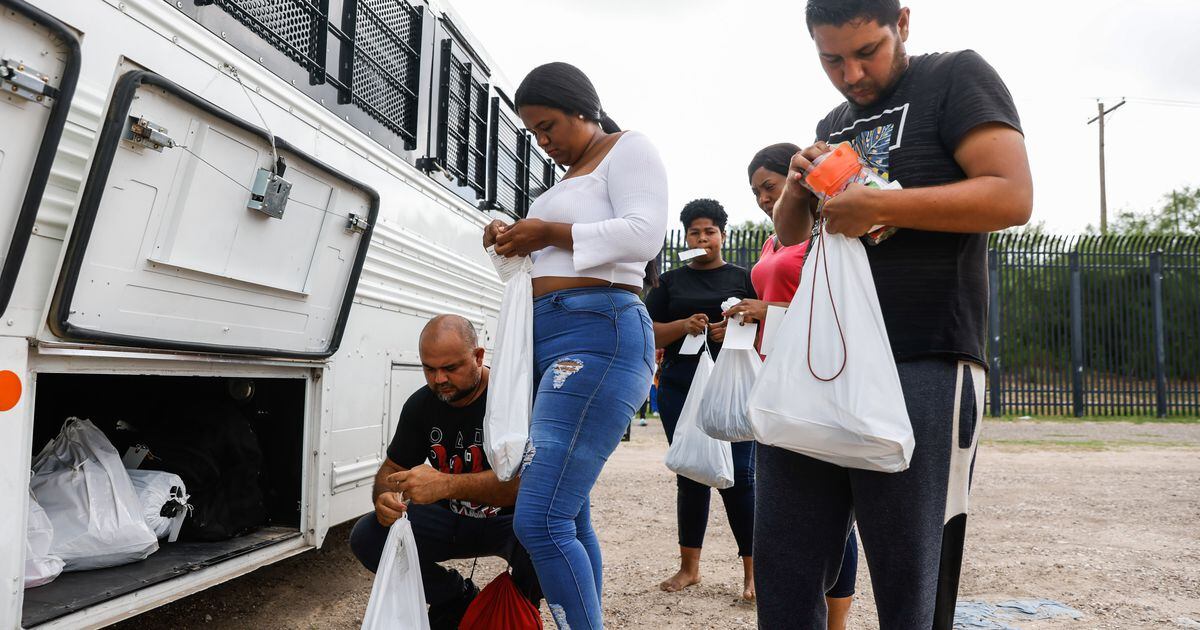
(618, 214)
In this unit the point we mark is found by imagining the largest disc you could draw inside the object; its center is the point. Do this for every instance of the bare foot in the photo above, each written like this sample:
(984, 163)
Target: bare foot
(748, 579)
(679, 581)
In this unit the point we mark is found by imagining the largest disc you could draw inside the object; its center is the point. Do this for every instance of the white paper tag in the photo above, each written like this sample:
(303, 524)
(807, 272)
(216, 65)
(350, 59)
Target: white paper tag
(692, 343)
(134, 456)
(774, 319)
(400, 562)
(739, 336)
(689, 254)
(176, 525)
(507, 267)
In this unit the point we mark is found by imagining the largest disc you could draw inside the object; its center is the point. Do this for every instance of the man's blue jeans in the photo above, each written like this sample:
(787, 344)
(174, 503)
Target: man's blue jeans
(594, 360)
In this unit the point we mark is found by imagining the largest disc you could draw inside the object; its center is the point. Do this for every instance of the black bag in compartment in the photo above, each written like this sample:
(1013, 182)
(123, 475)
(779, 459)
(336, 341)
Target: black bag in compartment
(212, 446)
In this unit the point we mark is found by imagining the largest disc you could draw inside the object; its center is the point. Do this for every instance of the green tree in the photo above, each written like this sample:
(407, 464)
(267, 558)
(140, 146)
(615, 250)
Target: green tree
(1178, 214)
(761, 225)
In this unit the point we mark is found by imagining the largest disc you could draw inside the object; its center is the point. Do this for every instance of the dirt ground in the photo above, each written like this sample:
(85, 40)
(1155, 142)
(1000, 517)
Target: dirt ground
(1104, 517)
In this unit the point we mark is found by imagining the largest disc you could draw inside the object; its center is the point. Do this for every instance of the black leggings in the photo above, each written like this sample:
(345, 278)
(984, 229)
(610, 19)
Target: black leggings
(692, 497)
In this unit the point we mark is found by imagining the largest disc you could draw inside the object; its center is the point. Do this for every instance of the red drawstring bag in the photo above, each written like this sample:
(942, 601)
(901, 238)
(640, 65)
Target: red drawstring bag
(500, 606)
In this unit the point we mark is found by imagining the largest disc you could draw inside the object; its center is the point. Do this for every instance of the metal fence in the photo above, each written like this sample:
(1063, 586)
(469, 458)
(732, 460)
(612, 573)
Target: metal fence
(1078, 325)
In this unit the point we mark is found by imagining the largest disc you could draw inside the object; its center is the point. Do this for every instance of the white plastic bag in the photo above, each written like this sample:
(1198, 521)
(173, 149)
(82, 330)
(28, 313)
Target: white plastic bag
(510, 386)
(723, 408)
(840, 400)
(164, 501)
(79, 480)
(398, 597)
(41, 567)
(693, 453)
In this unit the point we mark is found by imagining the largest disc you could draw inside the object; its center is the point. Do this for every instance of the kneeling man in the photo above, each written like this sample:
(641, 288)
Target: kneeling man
(458, 509)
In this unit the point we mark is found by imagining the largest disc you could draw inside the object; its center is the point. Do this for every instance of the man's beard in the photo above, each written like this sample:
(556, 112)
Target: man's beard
(458, 394)
(899, 65)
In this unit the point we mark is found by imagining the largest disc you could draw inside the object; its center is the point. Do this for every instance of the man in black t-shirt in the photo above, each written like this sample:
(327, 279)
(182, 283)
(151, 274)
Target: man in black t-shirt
(945, 127)
(459, 509)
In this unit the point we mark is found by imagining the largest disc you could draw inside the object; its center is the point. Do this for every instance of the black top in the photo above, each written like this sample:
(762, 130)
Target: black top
(684, 291)
(451, 438)
(932, 286)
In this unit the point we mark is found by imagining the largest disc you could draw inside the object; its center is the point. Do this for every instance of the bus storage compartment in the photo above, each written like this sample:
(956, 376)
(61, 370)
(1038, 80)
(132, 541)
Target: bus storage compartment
(39, 66)
(200, 231)
(236, 443)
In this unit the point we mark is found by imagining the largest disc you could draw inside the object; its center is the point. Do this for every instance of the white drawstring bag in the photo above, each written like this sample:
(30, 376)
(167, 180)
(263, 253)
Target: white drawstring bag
(79, 480)
(397, 596)
(723, 408)
(164, 501)
(829, 388)
(41, 567)
(510, 386)
(693, 454)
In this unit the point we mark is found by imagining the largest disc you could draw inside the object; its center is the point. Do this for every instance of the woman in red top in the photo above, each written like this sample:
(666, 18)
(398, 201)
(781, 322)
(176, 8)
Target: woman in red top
(776, 278)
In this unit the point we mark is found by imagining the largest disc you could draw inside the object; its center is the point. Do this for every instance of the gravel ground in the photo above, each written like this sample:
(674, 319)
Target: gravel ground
(1101, 516)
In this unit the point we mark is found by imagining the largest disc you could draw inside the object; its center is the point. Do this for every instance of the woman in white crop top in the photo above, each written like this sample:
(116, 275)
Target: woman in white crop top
(591, 238)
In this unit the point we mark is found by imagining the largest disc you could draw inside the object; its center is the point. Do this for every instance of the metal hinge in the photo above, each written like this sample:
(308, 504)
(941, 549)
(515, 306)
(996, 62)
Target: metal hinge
(146, 134)
(26, 82)
(357, 224)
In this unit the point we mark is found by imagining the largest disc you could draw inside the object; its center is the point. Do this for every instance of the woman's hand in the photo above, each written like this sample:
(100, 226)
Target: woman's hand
(750, 310)
(523, 238)
(716, 331)
(493, 230)
(695, 324)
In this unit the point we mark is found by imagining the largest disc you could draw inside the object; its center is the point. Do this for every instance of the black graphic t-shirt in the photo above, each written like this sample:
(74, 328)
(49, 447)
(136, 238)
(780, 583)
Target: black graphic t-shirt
(932, 286)
(451, 438)
(684, 291)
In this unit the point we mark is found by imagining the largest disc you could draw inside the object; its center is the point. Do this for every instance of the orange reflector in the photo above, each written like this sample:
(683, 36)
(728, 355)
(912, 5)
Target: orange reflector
(10, 389)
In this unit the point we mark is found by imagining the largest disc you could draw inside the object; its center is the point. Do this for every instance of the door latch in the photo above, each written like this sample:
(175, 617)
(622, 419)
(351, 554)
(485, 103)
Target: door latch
(357, 223)
(21, 80)
(146, 134)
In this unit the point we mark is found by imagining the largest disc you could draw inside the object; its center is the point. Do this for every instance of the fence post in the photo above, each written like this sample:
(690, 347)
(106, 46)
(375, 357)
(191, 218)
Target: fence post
(994, 331)
(1076, 334)
(1160, 359)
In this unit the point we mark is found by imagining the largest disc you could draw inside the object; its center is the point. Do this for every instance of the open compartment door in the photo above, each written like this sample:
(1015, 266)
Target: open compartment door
(199, 231)
(39, 66)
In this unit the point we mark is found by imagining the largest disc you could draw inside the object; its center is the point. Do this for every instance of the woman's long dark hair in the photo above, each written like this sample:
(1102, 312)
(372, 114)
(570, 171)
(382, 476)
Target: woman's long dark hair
(564, 87)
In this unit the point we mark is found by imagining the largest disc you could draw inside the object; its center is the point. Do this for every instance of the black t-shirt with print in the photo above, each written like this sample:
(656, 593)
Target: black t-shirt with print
(684, 291)
(450, 438)
(932, 286)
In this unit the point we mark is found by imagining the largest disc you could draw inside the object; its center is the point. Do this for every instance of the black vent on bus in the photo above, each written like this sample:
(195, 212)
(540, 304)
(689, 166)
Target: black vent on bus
(381, 63)
(462, 132)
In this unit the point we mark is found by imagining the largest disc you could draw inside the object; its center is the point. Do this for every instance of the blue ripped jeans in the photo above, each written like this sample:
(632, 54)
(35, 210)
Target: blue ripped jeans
(594, 360)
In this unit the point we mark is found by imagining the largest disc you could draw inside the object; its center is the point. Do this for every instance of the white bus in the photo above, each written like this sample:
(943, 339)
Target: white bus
(267, 197)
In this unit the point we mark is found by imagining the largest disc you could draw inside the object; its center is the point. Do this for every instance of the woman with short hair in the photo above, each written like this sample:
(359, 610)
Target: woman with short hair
(687, 299)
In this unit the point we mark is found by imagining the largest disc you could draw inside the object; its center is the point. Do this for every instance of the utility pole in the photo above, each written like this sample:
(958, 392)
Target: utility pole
(1100, 114)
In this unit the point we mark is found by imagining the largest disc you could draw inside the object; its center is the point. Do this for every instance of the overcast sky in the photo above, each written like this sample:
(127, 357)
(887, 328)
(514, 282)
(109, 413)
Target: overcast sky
(712, 82)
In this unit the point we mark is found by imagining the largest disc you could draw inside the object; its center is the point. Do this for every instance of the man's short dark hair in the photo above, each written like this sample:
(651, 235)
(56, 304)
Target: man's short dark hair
(704, 209)
(842, 12)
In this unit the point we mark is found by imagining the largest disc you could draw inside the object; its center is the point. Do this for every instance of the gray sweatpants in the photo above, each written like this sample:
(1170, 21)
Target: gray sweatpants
(911, 523)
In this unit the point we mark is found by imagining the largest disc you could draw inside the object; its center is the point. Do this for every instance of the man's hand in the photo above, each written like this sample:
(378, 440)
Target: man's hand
(750, 310)
(716, 331)
(853, 212)
(389, 508)
(493, 230)
(422, 484)
(522, 238)
(792, 214)
(695, 324)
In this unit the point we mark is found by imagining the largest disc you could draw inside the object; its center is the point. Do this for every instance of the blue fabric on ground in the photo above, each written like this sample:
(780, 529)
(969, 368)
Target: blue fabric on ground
(977, 615)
